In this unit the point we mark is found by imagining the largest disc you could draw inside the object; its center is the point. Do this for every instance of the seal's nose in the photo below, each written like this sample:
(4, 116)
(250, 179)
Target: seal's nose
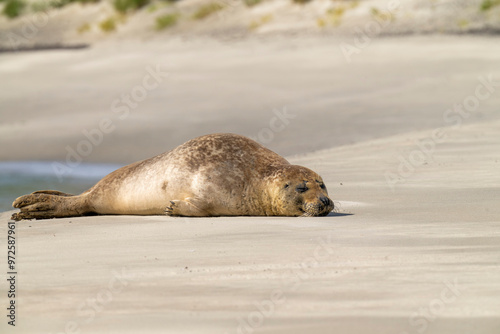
(325, 200)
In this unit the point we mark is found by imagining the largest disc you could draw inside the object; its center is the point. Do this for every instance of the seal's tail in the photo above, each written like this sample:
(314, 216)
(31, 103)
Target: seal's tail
(46, 204)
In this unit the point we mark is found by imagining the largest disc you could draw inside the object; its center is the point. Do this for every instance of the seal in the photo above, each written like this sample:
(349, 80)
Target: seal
(213, 175)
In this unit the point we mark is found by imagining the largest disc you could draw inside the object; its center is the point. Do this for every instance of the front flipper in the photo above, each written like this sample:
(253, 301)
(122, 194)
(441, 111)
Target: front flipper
(185, 208)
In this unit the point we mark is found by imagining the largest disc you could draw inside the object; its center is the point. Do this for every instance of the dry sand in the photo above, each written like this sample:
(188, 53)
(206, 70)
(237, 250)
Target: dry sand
(413, 248)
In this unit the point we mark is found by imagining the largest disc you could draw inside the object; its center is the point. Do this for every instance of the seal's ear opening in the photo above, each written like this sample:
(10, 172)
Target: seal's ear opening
(286, 186)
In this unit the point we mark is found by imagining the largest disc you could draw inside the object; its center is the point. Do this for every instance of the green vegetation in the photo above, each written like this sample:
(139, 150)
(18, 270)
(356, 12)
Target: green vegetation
(159, 4)
(301, 1)
(166, 21)
(84, 28)
(13, 8)
(251, 3)
(384, 16)
(108, 25)
(207, 10)
(44, 5)
(375, 11)
(336, 14)
(124, 6)
(58, 3)
(40, 6)
(462, 23)
(62, 3)
(153, 8)
(263, 20)
(488, 4)
(333, 16)
(321, 22)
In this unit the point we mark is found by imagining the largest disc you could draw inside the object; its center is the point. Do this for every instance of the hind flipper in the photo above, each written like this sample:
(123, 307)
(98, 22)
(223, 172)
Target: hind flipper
(30, 199)
(52, 192)
(37, 196)
(50, 204)
(34, 215)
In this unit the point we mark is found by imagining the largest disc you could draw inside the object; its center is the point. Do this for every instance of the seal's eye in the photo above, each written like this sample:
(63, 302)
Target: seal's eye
(322, 186)
(302, 189)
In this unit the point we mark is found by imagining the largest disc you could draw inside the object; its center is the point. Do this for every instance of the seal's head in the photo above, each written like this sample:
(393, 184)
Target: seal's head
(299, 191)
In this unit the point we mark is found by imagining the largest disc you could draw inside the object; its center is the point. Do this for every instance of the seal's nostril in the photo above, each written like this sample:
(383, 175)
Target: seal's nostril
(325, 200)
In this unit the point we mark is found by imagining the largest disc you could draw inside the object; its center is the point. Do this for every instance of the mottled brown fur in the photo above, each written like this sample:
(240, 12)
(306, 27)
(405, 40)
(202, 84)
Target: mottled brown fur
(213, 175)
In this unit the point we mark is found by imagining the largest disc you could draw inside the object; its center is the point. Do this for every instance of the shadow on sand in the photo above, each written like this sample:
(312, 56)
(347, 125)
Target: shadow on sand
(339, 214)
(44, 47)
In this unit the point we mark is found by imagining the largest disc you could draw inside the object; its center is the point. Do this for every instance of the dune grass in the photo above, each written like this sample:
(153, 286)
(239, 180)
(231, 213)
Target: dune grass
(84, 28)
(489, 4)
(108, 25)
(13, 8)
(166, 21)
(261, 21)
(333, 16)
(207, 10)
(124, 6)
(251, 3)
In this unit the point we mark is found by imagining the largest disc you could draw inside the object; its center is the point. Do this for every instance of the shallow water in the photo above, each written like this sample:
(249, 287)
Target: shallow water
(23, 177)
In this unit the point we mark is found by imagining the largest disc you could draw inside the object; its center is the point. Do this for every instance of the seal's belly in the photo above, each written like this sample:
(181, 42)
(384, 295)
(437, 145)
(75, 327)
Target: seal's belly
(141, 193)
(141, 199)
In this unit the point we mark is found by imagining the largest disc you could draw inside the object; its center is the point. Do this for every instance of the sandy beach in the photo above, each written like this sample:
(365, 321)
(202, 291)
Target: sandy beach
(406, 135)
(421, 258)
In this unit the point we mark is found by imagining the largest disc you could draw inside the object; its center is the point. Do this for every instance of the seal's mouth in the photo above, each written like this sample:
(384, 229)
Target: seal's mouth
(322, 207)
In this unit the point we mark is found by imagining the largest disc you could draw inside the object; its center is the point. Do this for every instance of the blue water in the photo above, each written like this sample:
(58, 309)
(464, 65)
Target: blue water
(23, 177)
